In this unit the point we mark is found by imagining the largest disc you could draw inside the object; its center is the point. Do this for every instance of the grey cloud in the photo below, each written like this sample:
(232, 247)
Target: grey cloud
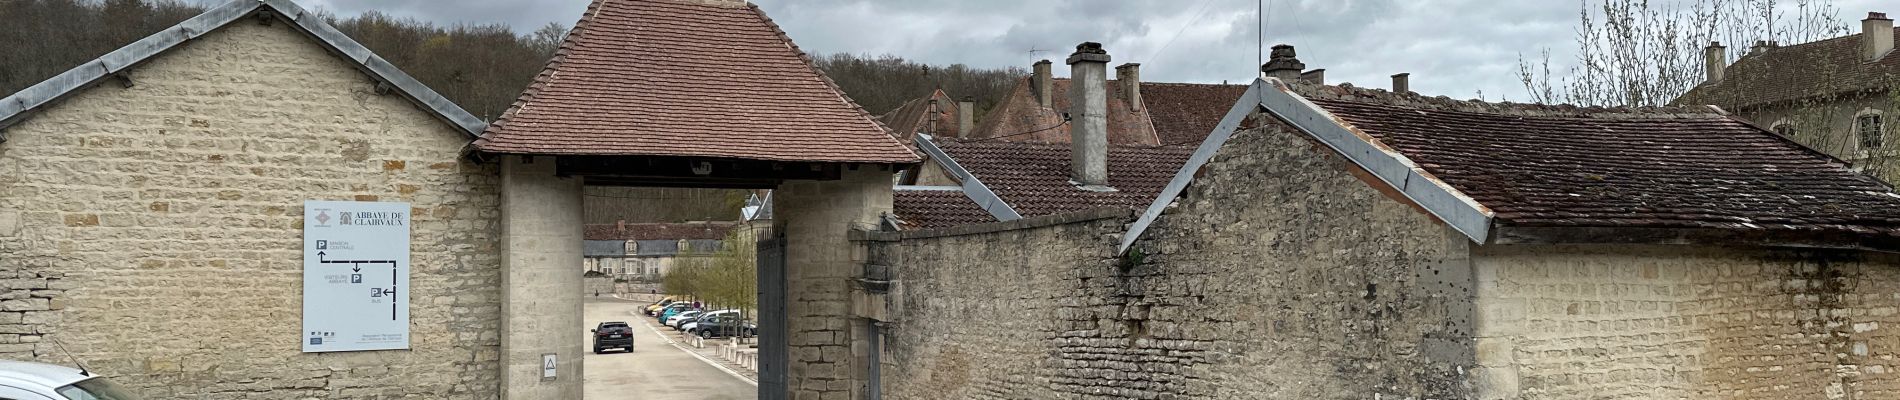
(1453, 47)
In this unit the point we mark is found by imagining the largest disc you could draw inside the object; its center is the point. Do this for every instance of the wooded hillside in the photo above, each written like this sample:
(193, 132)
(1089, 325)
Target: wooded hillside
(480, 67)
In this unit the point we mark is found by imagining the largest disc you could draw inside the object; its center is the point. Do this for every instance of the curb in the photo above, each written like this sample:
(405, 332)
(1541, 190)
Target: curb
(708, 361)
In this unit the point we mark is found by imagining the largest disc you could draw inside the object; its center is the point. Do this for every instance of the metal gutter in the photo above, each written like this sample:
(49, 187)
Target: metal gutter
(972, 187)
(18, 106)
(1394, 169)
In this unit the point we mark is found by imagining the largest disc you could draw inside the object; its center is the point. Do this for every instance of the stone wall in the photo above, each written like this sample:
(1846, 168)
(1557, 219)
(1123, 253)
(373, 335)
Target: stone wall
(155, 229)
(1280, 275)
(978, 315)
(1648, 322)
(815, 218)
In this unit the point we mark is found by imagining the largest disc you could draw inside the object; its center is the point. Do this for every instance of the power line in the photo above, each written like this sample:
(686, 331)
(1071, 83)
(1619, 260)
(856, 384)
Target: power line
(1057, 125)
(1184, 27)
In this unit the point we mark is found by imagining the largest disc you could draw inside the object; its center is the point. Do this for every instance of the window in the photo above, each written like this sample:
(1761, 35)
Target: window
(1872, 133)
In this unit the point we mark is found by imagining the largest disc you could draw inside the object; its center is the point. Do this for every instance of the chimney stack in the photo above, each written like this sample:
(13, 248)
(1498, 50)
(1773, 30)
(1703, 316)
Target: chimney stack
(1088, 113)
(1043, 83)
(1715, 59)
(966, 116)
(1876, 36)
(930, 118)
(1317, 77)
(1129, 76)
(1283, 64)
(1402, 82)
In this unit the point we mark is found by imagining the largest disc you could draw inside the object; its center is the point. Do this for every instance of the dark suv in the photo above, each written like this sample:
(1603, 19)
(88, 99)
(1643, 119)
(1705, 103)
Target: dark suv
(613, 335)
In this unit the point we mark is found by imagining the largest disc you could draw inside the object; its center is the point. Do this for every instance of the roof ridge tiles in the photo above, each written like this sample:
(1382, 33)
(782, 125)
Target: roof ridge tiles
(1382, 97)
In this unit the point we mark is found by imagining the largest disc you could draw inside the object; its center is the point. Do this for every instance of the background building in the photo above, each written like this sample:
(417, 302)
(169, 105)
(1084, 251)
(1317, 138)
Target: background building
(644, 252)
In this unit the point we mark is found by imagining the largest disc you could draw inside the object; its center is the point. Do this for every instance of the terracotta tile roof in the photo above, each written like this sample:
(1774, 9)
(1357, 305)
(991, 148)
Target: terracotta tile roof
(1172, 114)
(915, 116)
(1020, 117)
(659, 231)
(1561, 166)
(1034, 177)
(1821, 68)
(687, 78)
(931, 209)
(1184, 113)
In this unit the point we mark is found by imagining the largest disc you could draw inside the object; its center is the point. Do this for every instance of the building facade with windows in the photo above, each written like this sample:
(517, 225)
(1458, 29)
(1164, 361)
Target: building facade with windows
(646, 251)
(1839, 95)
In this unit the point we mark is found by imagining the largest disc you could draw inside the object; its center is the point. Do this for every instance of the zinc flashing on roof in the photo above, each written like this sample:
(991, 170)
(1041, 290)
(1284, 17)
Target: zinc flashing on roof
(19, 106)
(972, 187)
(1395, 170)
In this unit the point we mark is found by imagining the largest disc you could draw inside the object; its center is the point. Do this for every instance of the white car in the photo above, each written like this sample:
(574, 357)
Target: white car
(674, 321)
(35, 381)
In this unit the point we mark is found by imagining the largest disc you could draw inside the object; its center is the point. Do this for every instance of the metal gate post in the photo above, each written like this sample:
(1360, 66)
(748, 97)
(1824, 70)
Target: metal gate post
(774, 330)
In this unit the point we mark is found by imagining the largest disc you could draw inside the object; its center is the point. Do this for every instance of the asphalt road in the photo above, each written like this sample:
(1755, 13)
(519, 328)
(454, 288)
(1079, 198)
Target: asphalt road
(654, 370)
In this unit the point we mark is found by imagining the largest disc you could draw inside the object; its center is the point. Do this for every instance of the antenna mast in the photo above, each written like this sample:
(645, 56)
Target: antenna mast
(69, 355)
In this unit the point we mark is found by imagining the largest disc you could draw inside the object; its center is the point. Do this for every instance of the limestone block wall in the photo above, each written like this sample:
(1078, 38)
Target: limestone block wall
(155, 229)
(1648, 322)
(1279, 275)
(979, 316)
(541, 291)
(816, 218)
(1295, 278)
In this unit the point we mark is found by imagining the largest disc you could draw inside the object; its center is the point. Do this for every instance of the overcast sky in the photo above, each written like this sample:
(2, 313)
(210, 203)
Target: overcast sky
(1452, 47)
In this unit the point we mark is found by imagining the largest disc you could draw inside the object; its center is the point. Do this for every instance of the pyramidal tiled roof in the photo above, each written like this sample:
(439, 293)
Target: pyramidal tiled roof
(690, 78)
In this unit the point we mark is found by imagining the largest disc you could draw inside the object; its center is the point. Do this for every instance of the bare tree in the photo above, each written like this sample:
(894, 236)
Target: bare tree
(1643, 53)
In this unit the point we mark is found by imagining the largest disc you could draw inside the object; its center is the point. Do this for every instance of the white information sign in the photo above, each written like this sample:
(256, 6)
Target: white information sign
(355, 276)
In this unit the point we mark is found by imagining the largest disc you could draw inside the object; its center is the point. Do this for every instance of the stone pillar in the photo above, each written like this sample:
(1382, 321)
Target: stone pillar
(1088, 114)
(820, 260)
(541, 282)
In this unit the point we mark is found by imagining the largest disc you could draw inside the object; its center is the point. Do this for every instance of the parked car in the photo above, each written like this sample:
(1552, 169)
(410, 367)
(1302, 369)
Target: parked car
(21, 380)
(688, 325)
(654, 309)
(670, 310)
(724, 325)
(681, 317)
(613, 335)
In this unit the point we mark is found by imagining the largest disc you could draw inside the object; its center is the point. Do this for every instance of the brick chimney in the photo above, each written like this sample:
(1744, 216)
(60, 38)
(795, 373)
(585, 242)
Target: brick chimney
(1876, 36)
(1129, 77)
(1283, 64)
(966, 116)
(1402, 82)
(1715, 60)
(1043, 83)
(1088, 114)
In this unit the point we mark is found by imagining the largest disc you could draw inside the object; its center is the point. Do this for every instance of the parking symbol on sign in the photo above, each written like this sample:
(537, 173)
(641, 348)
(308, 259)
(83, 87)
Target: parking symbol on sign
(323, 245)
(375, 292)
